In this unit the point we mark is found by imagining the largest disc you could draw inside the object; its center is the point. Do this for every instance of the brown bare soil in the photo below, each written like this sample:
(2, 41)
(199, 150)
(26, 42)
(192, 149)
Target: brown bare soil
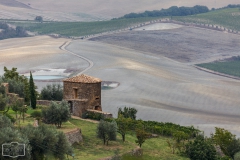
(185, 44)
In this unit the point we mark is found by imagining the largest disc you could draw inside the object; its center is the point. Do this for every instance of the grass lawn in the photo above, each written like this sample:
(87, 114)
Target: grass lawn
(231, 68)
(92, 148)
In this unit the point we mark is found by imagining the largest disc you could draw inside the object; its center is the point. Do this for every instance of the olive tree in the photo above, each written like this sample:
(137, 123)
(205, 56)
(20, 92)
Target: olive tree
(107, 131)
(56, 113)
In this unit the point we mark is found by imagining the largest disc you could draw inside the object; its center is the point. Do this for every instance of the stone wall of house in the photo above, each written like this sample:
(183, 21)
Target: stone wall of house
(90, 91)
(78, 107)
(74, 136)
(45, 102)
(82, 96)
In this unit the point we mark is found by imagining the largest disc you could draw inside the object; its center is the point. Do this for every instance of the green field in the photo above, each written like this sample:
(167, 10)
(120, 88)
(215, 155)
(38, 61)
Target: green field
(228, 18)
(92, 148)
(231, 67)
(77, 29)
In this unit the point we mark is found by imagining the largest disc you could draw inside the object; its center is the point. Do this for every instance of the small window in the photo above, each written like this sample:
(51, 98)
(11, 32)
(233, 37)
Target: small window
(97, 98)
(75, 93)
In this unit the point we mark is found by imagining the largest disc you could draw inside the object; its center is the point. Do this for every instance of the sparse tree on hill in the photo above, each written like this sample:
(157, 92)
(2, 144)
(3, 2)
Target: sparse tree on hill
(39, 18)
(141, 135)
(107, 131)
(123, 125)
(32, 92)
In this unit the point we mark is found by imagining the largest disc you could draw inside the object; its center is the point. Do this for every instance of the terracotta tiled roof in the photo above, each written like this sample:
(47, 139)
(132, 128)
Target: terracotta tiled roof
(83, 79)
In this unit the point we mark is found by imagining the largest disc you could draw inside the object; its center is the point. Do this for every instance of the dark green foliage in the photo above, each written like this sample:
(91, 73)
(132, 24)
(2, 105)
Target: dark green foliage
(5, 121)
(3, 102)
(107, 131)
(33, 98)
(172, 11)
(123, 125)
(52, 92)
(201, 149)
(16, 105)
(2, 89)
(13, 120)
(233, 147)
(46, 141)
(17, 84)
(92, 115)
(56, 113)
(237, 156)
(141, 135)
(168, 129)
(128, 112)
(39, 18)
(37, 115)
(9, 134)
(227, 141)
(9, 32)
(16, 87)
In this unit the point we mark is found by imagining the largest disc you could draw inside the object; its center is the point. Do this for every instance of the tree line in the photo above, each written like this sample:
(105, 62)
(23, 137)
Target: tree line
(172, 11)
(9, 32)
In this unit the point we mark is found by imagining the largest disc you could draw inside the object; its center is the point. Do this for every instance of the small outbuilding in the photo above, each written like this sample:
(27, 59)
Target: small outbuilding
(82, 92)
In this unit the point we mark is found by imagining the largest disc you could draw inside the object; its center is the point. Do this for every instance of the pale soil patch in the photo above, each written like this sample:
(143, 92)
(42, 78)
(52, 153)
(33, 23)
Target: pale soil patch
(158, 26)
(41, 55)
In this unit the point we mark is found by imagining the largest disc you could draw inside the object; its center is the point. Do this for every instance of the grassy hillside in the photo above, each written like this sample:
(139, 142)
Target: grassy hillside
(81, 28)
(92, 148)
(228, 18)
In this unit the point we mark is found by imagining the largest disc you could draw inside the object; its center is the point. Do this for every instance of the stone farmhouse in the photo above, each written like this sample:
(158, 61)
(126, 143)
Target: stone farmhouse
(83, 93)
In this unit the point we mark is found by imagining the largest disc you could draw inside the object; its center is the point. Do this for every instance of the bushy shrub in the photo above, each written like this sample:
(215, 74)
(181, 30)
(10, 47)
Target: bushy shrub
(201, 148)
(13, 120)
(36, 114)
(237, 156)
(92, 115)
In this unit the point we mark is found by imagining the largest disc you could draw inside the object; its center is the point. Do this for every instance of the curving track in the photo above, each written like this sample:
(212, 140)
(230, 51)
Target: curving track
(162, 89)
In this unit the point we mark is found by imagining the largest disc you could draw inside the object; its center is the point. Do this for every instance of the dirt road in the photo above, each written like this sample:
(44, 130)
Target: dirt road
(163, 89)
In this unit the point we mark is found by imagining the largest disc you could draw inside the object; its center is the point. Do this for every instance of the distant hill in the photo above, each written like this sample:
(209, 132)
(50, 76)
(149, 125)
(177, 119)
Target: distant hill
(13, 3)
(93, 10)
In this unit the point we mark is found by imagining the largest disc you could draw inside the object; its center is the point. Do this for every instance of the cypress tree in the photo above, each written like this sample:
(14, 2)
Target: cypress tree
(32, 92)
